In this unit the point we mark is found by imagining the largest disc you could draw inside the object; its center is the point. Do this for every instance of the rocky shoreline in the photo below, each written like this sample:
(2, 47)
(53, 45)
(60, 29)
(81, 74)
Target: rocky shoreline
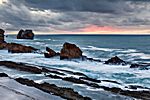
(69, 93)
(68, 52)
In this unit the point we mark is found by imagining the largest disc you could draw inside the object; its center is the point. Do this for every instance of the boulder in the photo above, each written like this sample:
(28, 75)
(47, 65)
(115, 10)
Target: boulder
(2, 36)
(27, 34)
(51, 53)
(70, 51)
(115, 60)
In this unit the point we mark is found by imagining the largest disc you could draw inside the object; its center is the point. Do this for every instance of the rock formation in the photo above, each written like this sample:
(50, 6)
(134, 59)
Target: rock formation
(2, 36)
(116, 61)
(27, 34)
(51, 53)
(70, 51)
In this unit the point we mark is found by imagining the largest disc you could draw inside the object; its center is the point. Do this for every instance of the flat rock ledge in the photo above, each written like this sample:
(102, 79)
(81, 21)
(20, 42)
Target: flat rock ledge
(66, 93)
(69, 93)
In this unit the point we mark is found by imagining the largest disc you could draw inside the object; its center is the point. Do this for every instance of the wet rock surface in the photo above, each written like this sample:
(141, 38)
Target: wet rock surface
(70, 51)
(2, 36)
(20, 66)
(17, 48)
(80, 78)
(3, 75)
(66, 93)
(116, 61)
(140, 65)
(14, 47)
(50, 53)
(25, 34)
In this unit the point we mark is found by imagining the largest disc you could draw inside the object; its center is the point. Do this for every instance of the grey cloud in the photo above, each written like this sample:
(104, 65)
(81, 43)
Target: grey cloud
(71, 15)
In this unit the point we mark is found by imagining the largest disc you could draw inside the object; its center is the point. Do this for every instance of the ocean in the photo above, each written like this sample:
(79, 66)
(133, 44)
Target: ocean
(132, 48)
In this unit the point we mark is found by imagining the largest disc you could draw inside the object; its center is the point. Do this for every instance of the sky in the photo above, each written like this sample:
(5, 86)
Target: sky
(76, 16)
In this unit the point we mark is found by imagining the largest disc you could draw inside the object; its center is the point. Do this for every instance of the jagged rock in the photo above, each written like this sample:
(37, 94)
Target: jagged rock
(3, 75)
(70, 51)
(51, 53)
(2, 36)
(115, 60)
(27, 34)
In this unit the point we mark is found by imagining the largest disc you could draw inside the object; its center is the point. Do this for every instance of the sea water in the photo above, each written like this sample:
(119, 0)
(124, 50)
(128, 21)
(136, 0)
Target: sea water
(132, 48)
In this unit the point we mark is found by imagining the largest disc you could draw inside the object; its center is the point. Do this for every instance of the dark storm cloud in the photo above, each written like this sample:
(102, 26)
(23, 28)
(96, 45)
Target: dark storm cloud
(71, 15)
(101, 6)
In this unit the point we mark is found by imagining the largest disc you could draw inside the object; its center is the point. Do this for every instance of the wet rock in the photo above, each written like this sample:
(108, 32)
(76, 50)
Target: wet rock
(111, 81)
(90, 79)
(52, 71)
(116, 61)
(70, 51)
(144, 95)
(3, 75)
(2, 36)
(66, 93)
(21, 67)
(85, 58)
(18, 48)
(141, 66)
(51, 53)
(27, 34)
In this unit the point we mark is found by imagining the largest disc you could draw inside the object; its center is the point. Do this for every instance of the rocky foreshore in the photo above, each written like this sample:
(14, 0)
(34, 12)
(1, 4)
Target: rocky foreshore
(69, 51)
(69, 93)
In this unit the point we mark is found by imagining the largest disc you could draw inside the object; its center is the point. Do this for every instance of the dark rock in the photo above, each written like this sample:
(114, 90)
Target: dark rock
(142, 66)
(51, 53)
(52, 71)
(18, 48)
(21, 67)
(79, 81)
(70, 51)
(66, 93)
(111, 81)
(90, 79)
(3, 75)
(144, 95)
(27, 34)
(2, 36)
(115, 60)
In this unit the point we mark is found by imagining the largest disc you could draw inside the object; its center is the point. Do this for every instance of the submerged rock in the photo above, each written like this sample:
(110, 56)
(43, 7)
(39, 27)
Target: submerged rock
(142, 66)
(2, 36)
(70, 51)
(27, 34)
(115, 60)
(51, 53)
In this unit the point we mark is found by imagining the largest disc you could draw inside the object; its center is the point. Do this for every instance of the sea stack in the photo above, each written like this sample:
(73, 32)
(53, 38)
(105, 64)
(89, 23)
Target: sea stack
(2, 36)
(70, 51)
(25, 34)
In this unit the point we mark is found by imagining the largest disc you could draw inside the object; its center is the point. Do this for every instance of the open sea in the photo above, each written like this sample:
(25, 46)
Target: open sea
(132, 48)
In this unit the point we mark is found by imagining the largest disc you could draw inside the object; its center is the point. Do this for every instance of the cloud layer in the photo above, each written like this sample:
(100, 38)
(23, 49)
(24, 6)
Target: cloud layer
(74, 15)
